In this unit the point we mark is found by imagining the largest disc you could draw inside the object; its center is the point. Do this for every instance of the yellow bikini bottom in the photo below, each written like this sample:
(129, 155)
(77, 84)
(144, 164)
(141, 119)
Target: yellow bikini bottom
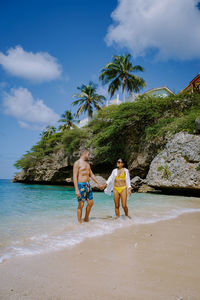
(119, 189)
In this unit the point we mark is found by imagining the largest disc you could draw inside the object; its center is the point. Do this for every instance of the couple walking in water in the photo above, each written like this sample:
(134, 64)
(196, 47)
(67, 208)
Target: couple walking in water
(118, 182)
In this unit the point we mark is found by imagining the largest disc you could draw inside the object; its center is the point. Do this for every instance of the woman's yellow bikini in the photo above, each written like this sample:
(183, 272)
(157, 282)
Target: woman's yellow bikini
(119, 189)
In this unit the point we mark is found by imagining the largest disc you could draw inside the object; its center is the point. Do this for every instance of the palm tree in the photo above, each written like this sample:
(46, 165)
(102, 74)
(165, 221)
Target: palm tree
(119, 74)
(68, 121)
(88, 99)
(50, 130)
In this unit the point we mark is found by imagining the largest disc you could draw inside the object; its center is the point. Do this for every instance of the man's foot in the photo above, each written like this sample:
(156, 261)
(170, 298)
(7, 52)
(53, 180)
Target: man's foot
(86, 220)
(129, 217)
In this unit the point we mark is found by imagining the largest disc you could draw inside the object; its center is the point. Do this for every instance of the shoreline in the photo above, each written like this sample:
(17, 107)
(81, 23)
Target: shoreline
(144, 261)
(174, 191)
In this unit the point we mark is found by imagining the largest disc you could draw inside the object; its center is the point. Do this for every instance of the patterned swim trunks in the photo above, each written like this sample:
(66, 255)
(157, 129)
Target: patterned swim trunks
(85, 191)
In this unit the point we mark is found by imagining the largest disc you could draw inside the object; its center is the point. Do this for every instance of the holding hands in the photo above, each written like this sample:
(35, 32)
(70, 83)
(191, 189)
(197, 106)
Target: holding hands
(102, 186)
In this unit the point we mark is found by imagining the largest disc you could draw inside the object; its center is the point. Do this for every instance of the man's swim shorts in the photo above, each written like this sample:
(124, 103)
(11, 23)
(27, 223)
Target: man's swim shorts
(85, 191)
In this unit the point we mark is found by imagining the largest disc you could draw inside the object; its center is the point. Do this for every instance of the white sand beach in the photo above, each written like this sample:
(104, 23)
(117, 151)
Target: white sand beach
(157, 261)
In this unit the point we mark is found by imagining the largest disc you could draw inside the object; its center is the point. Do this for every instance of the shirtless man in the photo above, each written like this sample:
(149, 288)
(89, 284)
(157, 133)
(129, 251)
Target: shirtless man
(81, 177)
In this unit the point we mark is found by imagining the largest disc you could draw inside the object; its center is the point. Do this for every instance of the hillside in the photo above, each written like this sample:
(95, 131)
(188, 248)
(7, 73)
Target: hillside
(136, 131)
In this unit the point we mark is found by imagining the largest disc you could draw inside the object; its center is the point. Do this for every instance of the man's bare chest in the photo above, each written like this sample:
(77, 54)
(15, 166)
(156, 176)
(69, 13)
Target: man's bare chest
(84, 168)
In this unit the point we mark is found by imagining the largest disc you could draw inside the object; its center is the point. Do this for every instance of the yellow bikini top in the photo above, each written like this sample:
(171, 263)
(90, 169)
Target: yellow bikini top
(121, 176)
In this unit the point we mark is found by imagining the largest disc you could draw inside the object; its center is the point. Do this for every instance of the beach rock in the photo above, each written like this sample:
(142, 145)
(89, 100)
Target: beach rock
(136, 182)
(144, 188)
(177, 167)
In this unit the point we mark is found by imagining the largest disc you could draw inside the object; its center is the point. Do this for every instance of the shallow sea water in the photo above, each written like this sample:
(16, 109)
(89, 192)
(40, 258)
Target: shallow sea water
(42, 218)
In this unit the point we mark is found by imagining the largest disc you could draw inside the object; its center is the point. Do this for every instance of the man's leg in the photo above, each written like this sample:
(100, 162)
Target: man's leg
(88, 209)
(117, 202)
(79, 211)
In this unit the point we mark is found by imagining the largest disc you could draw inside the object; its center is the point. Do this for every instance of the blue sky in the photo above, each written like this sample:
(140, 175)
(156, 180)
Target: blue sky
(48, 48)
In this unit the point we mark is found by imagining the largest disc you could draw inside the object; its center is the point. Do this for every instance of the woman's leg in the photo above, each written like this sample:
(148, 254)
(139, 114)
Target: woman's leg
(117, 202)
(124, 201)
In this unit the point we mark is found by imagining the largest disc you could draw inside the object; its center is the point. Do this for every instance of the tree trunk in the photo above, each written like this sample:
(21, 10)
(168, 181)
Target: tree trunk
(124, 99)
(89, 116)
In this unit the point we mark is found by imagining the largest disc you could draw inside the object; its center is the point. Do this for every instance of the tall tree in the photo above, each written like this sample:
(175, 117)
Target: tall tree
(68, 121)
(88, 99)
(119, 73)
(49, 130)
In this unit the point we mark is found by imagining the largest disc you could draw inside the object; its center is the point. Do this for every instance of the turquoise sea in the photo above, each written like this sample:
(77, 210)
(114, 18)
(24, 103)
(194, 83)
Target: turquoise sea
(42, 218)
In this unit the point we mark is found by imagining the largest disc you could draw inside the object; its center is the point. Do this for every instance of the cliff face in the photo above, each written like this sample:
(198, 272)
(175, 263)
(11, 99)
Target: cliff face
(57, 168)
(54, 169)
(177, 167)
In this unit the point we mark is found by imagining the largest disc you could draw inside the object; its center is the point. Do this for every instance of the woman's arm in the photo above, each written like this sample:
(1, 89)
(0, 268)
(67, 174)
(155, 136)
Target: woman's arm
(109, 180)
(128, 182)
(110, 177)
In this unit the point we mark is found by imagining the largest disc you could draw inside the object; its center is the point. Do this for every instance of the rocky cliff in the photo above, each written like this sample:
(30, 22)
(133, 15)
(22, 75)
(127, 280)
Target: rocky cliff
(137, 132)
(177, 167)
(52, 169)
(174, 169)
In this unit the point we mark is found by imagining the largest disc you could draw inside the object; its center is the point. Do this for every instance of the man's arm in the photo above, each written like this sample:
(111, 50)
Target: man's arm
(95, 180)
(75, 179)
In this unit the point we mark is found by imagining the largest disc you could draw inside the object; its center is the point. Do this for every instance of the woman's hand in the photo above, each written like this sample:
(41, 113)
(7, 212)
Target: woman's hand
(129, 191)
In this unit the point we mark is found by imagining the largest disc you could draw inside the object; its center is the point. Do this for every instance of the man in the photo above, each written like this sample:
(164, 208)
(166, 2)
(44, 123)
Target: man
(81, 177)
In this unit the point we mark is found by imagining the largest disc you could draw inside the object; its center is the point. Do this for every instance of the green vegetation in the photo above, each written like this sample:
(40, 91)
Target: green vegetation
(160, 168)
(118, 130)
(198, 168)
(166, 173)
(119, 73)
(73, 139)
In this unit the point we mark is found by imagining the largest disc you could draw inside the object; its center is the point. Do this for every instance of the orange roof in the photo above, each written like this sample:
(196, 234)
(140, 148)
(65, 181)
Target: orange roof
(196, 79)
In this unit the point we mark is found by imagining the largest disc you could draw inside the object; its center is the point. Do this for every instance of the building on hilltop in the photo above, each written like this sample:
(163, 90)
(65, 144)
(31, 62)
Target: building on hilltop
(194, 85)
(155, 92)
(162, 92)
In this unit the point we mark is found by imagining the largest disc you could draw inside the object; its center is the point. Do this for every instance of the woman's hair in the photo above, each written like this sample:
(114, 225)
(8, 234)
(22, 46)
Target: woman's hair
(124, 162)
(121, 160)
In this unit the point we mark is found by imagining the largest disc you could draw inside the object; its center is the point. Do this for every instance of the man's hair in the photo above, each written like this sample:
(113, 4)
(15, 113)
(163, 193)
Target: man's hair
(83, 151)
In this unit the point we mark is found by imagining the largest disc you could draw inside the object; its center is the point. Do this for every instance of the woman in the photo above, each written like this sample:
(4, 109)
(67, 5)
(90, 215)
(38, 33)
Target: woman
(119, 182)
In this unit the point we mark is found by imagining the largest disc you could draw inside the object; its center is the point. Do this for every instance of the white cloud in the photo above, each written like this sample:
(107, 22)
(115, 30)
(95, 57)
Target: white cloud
(20, 104)
(38, 66)
(31, 126)
(172, 28)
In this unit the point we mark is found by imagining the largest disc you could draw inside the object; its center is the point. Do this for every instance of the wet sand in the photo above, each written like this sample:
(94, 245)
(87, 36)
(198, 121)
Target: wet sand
(159, 261)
